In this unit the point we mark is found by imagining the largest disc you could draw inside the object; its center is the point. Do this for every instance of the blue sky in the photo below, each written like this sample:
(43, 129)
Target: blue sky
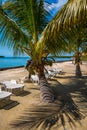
(56, 5)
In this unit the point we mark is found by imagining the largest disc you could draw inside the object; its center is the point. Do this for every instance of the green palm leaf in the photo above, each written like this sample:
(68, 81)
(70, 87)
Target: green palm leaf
(21, 23)
(11, 34)
(61, 30)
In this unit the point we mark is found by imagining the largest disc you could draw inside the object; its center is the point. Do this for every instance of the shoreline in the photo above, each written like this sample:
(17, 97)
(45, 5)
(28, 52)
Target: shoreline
(7, 68)
(2, 69)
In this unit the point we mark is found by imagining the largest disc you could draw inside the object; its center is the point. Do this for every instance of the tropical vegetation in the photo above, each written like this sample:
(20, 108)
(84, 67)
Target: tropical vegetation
(21, 24)
(69, 28)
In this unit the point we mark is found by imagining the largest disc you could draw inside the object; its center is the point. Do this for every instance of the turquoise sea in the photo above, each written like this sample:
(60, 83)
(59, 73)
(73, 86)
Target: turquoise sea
(8, 62)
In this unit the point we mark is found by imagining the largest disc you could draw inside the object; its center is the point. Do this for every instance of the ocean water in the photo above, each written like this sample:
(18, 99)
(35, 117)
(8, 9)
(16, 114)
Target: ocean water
(8, 62)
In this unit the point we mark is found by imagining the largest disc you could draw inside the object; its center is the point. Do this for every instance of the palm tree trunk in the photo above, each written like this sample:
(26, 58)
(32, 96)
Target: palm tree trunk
(78, 62)
(46, 93)
(78, 70)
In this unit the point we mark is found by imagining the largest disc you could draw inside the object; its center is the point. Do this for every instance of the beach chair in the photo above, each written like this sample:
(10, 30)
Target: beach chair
(4, 94)
(56, 71)
(13, 87)
(35, 79)
(47, 75)
(4, 98)
(51, 73)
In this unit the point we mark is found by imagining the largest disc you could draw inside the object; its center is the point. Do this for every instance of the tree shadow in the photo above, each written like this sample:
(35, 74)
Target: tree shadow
(65, 110)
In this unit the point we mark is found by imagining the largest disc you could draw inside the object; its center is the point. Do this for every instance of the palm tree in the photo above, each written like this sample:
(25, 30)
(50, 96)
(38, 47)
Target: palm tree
(78, 47)
(68, 27)
(21, 23)
(72, 17)
(55, 37)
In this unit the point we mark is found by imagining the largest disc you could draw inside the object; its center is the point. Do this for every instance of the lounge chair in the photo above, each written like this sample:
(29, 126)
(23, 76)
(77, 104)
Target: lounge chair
(54, 71)
(4, 94)
(12, 86)
(51, 73)
(4, 98)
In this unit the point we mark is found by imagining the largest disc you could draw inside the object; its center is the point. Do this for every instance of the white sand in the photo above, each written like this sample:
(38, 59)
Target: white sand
(31, 96)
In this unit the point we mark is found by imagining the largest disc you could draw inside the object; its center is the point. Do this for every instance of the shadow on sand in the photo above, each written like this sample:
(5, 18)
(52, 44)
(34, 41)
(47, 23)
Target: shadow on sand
(69, 108)
(9, 105)
(23, 93)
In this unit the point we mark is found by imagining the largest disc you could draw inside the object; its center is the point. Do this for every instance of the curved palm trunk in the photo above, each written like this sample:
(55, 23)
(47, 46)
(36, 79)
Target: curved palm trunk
(46, 93)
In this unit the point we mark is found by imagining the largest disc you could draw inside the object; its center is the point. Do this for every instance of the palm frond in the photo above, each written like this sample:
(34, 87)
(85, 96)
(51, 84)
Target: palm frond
(22, 22)
(10, 29)
(30, 15)
(59, 31)
(16, 10)
(12, 35)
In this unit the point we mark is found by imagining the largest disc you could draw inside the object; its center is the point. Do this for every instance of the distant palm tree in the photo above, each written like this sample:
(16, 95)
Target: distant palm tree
(68, 27)
(79, 42)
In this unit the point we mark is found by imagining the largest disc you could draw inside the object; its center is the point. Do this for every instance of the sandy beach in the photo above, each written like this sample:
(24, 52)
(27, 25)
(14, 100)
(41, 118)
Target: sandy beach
(67, 84)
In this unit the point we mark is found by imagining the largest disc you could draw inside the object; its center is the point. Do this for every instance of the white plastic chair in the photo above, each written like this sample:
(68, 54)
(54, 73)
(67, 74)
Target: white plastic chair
(35, 79)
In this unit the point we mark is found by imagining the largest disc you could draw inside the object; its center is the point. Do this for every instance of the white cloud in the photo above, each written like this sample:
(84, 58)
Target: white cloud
(59, 3)
(57, 6)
